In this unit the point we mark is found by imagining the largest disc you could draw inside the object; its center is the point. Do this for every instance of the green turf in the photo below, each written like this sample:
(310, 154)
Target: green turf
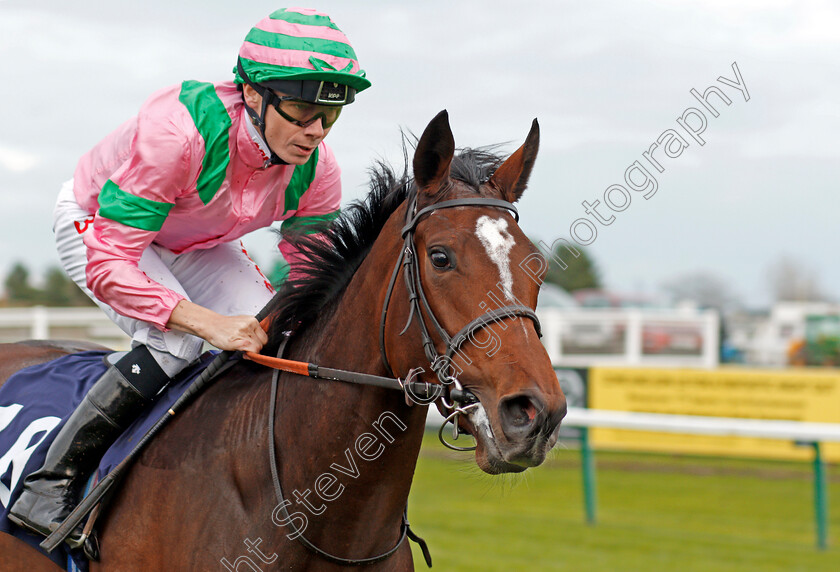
(656, 512)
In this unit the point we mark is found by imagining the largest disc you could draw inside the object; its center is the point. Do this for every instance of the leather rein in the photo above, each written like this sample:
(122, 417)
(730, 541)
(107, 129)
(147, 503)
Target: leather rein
(454, 398)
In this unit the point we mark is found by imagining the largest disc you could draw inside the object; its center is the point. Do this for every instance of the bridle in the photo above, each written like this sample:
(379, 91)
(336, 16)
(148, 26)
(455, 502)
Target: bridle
(455, 399)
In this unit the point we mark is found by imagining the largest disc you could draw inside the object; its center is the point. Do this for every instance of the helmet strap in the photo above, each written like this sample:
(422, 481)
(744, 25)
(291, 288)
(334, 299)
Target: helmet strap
(259, 119)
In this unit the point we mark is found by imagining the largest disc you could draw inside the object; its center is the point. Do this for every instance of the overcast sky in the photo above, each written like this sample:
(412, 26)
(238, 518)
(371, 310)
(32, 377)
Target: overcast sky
(605, 80)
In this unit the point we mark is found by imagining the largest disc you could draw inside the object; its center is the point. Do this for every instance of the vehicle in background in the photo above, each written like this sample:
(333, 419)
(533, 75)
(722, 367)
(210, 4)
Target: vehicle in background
(780, 337)
(820, 344)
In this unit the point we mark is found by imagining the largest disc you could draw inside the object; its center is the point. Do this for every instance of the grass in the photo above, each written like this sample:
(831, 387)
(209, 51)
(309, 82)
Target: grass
(655, 513)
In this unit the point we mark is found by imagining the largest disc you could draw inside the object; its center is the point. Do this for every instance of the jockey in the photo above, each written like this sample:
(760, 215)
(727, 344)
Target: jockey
(149, 226)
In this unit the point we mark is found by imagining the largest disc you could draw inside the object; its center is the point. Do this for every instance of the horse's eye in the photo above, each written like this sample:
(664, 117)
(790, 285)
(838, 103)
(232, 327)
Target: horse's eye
(439, 258)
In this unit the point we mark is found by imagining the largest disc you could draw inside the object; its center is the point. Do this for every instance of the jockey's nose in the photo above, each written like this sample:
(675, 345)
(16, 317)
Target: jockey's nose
(315, 129)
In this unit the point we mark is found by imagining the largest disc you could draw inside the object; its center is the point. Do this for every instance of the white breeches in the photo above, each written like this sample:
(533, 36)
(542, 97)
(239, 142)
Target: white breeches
(223, 279)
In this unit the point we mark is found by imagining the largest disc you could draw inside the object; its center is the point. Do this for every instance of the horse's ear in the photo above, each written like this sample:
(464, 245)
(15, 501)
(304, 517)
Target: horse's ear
(434, 155)
(511, 177)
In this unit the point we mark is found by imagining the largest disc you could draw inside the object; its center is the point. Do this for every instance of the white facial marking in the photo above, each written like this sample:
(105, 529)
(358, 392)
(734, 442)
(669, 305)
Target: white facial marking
(497, 242)
(478, 417)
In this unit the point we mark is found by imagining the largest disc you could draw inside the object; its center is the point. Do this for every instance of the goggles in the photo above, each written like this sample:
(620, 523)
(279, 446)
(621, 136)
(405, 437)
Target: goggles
(303, 113)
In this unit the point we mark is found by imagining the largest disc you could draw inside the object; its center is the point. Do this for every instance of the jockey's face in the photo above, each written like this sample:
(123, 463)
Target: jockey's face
(290, 142)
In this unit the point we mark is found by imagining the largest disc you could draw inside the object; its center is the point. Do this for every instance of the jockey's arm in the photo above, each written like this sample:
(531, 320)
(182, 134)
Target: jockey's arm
(232, 333)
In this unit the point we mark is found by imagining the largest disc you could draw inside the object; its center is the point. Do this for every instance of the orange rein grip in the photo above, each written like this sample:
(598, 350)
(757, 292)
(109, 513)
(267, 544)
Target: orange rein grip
(299, 367)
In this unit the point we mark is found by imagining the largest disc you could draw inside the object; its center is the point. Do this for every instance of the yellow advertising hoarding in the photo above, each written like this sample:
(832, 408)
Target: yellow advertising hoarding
(792, 394)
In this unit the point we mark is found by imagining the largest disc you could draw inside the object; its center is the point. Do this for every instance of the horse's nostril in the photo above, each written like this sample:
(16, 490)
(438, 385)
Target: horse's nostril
(519, 415)
(520, 411)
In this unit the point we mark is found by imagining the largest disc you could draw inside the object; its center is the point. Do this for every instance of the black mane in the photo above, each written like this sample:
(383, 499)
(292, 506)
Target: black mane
(333, 259)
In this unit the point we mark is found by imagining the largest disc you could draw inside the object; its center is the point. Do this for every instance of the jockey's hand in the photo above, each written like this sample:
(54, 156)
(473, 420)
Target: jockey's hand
(232, 333)
(237, 333)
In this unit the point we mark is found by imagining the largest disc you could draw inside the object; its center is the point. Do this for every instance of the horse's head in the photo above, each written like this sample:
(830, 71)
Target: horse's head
(472, 269)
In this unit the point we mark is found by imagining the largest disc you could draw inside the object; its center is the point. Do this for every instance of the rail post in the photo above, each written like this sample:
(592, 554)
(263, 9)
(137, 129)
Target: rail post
(40, 323)
(590, 493)
(820, 498)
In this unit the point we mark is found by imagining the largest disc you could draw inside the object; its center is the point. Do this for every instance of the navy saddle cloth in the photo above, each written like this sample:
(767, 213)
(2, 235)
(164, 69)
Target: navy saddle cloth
(34, 405)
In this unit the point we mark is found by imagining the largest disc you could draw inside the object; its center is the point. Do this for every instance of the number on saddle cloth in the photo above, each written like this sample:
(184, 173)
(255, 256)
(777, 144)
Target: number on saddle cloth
(34, 403)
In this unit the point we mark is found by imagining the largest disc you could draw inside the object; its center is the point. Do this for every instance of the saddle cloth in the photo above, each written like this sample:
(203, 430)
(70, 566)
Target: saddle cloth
(34, 404)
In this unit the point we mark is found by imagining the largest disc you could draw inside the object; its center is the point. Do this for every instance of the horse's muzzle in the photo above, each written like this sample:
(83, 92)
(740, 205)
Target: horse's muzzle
(520, 434)
(530, 427)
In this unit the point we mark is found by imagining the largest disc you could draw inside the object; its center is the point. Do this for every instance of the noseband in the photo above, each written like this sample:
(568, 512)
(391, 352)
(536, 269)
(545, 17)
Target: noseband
(457, 398)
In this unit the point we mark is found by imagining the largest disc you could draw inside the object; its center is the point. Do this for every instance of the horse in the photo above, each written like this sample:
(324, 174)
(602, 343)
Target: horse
(435, 249)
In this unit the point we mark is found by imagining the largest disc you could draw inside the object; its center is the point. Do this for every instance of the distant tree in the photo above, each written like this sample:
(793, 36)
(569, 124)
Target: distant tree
(570, 267)
(19, 292)
(793, 281)
(56, 292)
(704, 289)
(59, 290)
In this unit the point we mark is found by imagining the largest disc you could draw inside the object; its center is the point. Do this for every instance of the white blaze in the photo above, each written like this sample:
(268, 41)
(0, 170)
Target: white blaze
(497, 242)
(478, 417)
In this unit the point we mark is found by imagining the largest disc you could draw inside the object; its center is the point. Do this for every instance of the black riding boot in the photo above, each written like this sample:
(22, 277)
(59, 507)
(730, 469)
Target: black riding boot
(50, 493)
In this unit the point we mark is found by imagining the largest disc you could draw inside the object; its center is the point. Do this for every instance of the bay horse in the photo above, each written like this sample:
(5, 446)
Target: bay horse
(201, 495)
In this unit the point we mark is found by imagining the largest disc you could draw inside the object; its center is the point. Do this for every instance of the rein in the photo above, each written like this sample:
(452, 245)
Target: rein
(411, 388)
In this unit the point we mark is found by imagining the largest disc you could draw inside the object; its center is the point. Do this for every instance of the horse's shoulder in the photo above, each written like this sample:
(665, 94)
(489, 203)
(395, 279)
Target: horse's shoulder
(16, 356)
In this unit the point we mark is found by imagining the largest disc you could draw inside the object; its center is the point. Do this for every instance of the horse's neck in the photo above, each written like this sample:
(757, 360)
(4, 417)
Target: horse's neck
(366, 438)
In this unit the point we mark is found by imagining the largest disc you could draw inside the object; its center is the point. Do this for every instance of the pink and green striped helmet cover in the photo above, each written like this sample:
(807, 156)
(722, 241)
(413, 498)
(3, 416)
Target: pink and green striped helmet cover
(299, 44)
